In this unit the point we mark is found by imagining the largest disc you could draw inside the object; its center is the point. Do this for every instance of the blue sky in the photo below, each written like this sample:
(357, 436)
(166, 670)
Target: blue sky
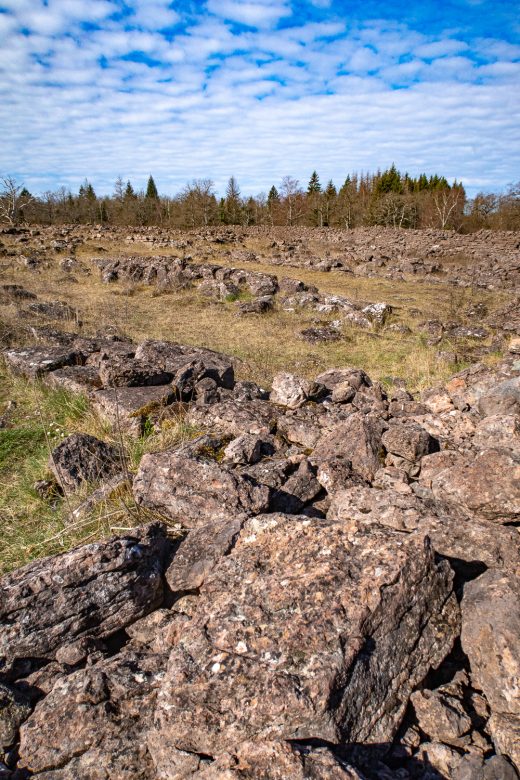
(259, 89)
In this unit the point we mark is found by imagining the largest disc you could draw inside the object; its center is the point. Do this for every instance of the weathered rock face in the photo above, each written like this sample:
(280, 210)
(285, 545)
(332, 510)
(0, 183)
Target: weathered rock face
(94, 590)
(359, 439)
(193, 491)
(503, 398)
(199, 553)
(99, 714)
(83, 458)
(128, 408)
(291, 391)
(487, 486)
(34, 362)
(490, 631)
(234, 418)
(172, 357)
(293, 629)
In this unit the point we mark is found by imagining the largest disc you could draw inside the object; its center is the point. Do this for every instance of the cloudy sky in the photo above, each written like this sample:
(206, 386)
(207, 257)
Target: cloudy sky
(259, 89)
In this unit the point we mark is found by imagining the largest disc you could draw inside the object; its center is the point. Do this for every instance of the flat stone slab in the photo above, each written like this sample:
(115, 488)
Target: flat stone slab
(129, 407)
(34, 362)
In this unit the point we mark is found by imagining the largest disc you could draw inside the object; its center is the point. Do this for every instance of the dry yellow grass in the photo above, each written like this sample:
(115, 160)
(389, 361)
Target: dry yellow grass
(262, 345)
(269, 343)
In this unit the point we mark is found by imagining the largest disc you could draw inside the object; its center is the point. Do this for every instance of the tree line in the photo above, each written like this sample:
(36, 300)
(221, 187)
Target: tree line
(388, 198)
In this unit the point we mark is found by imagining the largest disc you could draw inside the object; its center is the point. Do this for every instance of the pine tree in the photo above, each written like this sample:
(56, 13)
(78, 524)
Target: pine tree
(151, 190)
(273, 198)
(314, 185)
(129, 191)
(233, 202)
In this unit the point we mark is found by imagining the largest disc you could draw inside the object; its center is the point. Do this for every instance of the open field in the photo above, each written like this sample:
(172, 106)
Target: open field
(261, 344)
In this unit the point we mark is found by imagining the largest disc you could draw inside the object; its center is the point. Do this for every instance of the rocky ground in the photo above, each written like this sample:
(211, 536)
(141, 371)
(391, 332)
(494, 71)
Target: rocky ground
(324, 577)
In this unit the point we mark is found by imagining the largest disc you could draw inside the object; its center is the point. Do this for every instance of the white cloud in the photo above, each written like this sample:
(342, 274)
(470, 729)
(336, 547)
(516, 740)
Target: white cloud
(269, 101)
(263, 13)
(154, 14)
(440, 48)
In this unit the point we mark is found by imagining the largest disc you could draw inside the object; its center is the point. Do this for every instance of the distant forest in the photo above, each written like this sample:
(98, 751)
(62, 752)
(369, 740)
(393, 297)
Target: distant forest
(387, 198)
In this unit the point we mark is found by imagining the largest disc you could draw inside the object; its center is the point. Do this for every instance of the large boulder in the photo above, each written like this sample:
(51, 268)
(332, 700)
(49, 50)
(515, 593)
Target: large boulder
(487, 485)
(193, 491)
(305, 632)
(94, 590)
(291, 391)
(35, 362)
(358, 439)
(91, 724)
(171, 357)
(81, 458)
(490, 631)
(234, 417)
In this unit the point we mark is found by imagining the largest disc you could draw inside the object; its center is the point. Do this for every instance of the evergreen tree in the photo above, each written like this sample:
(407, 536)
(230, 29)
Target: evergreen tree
(129, 191)
(273, 198)
(314, 185)
(151, 190)
(330, 190)
(233, 202)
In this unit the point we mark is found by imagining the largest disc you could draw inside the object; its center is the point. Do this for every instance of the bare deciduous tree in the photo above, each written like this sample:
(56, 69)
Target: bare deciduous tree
(13, 199)
(447, 202)
(290, 189)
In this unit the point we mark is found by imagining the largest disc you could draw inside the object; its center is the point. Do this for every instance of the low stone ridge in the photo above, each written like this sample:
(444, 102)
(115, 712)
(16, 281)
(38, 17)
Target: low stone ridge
(338, 598)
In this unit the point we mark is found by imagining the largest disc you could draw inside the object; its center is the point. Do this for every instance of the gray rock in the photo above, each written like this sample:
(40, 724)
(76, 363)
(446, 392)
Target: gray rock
(34, 362)
(128, 408)
(194, 491)
(322, 634)
(14, 709)
(81, 458)
(245, 449)
(503, 398)
(291, 391)
(490, 631)
(94, 590)
(199, 553)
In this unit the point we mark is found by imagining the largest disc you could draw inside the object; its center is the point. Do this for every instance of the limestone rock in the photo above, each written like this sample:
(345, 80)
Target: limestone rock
(81, 458)
(292, 632)
(291, 391)
(93, 590)
(487, 485)
(490, 631)
(378, 312)
(193, 491)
